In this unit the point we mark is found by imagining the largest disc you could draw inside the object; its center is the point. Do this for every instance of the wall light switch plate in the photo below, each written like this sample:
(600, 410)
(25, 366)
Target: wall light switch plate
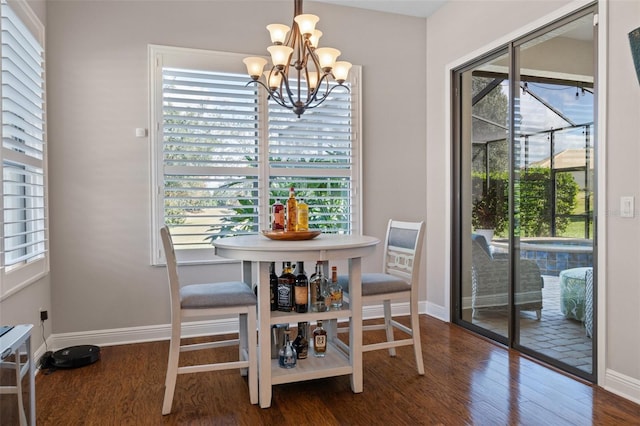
(627, 206)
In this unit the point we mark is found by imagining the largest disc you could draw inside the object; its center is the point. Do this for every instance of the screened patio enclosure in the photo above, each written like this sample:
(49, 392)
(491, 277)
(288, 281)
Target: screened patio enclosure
(555, 154)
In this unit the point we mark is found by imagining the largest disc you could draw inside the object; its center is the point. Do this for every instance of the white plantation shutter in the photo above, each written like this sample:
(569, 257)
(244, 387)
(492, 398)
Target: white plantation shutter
(314, 154)
(24, 232)
(210, 152)
(224, 153)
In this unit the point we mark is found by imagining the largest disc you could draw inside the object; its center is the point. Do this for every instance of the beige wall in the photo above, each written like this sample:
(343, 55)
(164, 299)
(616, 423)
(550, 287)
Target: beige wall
(622, 178)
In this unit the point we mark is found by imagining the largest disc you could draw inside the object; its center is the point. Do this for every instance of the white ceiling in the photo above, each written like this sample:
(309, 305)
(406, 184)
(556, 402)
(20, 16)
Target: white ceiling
(419, 8)
(425, 8)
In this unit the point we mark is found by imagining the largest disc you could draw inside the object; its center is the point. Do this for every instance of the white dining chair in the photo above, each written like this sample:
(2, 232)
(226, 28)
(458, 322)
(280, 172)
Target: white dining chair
(233, 298)
(398, 282)
(20, 368)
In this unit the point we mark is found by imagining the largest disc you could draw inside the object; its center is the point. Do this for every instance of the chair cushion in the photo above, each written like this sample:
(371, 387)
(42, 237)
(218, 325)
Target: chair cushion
(217, 295)
(376, 283)
(482, 242)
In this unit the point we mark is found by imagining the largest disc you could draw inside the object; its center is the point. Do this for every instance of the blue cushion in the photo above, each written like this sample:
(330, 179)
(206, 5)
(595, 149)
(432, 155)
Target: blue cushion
(218, 295)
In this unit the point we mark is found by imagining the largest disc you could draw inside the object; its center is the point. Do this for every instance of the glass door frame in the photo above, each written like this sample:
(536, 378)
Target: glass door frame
(458, 194)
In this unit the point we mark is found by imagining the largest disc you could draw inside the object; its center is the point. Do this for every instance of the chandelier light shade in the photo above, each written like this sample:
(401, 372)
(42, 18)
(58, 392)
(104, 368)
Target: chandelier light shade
(301, 73)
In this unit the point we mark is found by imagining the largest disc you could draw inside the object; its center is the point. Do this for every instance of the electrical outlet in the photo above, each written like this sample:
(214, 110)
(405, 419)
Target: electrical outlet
(44, 315)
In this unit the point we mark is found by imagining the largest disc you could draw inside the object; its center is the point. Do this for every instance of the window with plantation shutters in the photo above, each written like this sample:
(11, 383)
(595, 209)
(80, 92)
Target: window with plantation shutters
(23, 242)
(224, 153)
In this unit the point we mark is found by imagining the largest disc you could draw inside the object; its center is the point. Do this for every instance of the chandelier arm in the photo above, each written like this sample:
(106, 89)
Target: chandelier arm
(272, 93)
(324, 78)
(324, 96)
(314, 58)
(290, 95)
(276, 94)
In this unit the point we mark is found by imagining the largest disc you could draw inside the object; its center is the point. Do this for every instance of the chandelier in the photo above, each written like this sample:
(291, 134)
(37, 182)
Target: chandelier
(301, 73)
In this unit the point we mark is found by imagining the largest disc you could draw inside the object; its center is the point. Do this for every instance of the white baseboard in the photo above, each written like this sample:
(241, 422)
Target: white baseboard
(622, 385)
(436, 311)
(123, 336)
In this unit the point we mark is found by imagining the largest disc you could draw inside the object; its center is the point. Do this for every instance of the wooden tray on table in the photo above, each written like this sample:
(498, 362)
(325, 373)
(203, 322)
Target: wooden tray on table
(291, 235)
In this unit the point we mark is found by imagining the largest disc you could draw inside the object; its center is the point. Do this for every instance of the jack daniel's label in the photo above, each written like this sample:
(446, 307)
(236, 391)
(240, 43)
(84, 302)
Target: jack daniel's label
(284, 296)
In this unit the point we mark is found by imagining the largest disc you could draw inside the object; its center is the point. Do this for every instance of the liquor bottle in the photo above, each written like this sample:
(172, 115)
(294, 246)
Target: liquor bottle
(292, 211)
(301, 290)
(278, 216)
(273, 285)
(311, 278)
(303, 216)
(317, 287)
(335, 291)
(287, 355)
(301, 344)
(286, 282)
(319, 340)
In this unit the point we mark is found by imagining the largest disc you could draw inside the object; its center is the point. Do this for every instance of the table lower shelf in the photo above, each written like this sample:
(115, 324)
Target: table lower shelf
(334, 363)
(277, 317)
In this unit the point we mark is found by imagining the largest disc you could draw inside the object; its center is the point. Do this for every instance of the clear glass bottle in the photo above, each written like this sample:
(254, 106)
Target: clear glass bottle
(301, 343)
(301, 290)
(292, 211)
(311, 279)
(287, 357)
(335, 291)
(277, 211)
(317, 288)
(303, 216)
(319, 340)
(286, 282)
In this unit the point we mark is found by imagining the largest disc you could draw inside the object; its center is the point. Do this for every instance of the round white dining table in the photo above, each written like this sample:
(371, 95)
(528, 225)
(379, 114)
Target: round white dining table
(260, 250)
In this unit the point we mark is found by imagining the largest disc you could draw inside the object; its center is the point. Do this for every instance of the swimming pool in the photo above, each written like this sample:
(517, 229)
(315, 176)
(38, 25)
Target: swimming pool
(553, 255)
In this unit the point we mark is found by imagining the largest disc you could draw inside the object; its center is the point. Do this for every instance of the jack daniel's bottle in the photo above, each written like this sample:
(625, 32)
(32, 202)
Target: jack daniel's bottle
(286, 282)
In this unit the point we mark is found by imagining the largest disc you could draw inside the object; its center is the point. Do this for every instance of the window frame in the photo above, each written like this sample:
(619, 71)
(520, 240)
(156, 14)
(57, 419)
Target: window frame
(20, 276)
(160, 56)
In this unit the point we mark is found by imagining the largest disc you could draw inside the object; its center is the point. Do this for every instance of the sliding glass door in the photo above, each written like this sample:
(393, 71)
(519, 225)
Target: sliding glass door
(484, 104)
(524, 159)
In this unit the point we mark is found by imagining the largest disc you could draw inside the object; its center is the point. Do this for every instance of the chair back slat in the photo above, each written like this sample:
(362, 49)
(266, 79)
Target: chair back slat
(400, 263)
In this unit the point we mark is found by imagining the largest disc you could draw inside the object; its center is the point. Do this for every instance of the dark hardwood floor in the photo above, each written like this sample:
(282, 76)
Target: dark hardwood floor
(468, 381)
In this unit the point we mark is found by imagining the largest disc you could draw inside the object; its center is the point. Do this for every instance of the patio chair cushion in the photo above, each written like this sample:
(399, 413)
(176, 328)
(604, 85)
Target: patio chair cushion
(490, 282)
(573, 293)
(482, 242)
